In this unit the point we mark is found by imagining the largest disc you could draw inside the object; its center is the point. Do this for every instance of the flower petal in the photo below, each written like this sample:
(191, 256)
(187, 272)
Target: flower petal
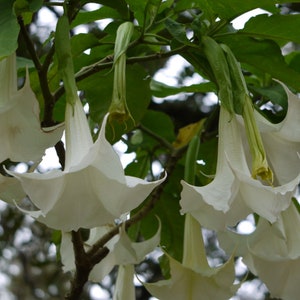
(23, 139)
(124, 288)
(188, 284)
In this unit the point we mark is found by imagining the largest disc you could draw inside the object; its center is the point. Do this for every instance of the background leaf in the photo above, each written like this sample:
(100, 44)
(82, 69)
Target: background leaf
(276, 27)
(9, 29)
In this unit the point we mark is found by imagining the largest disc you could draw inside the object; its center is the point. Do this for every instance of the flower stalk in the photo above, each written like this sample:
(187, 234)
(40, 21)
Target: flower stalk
(243, 105)
(118, 109)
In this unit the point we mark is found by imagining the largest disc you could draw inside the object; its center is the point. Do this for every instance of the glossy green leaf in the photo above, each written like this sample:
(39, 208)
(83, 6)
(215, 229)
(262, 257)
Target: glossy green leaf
(264, 55)
(229, 10)
(167, 210)
(140, 166)
(182, 5)
(82, 42)
(162, 90)
(119, 5)
(144, 11)
(85, 17)
(9, 29)
(275, 94)
(284, 28)
(177, 30)
(207, 162)
(163, 125)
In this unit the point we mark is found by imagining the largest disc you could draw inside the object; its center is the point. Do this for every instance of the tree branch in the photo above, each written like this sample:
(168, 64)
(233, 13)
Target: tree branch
(42, 74)
(107, 63)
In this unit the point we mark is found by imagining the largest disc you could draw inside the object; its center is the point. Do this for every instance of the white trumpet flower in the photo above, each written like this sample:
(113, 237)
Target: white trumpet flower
(233, 194)
(194, 278)
(92, 190)
(20, 131)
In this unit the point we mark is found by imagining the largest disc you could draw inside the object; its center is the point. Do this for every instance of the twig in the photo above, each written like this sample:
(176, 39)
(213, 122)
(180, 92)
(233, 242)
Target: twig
(95, 68)
(42, 73)
(83, 264)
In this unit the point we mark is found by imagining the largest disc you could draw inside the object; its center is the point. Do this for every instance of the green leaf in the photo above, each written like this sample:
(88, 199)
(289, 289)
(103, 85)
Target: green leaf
(160, 124)
(151, 11)
(118, 5)
(177, 30)
(9, 29)
(264, 55)
(172, 222)
(138, 8)
(81, 42)
(162, 90)
(229, 10)
(98, 91)
(293, 60)
(85, 17)
(144, 11)
(276, 94)
(277, 27)
(207, 162)
(182, 5)
(140, 166)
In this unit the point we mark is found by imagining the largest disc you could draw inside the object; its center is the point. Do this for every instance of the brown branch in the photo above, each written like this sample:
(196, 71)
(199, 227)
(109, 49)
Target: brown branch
(42, 74)
(83, 264)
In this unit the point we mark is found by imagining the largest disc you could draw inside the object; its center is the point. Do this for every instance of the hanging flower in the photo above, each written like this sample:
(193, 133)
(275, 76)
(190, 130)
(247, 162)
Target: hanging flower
(122, 251)
(20, 132)
(92, 190)
(194, 278)
(119, 109)
(233, 194)
(272, 252)
(282, 140)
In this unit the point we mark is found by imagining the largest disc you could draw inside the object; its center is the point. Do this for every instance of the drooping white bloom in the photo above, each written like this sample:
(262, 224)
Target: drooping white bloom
(122, 251)
(233, 194)
(194, 278)
(22, 138)
(92, 190)
(272, 252)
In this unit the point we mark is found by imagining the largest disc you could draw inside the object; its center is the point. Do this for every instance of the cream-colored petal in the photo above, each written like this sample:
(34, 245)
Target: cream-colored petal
(281, 277)
(266, 201)
(280, 240)
(107, 160)
(67, 252)
(20, 130)
(42, 190)
(290, 129)
(283, 156)
(11, 190)
(125, 288)
(78, 136)
(124, 252)
(189, 285)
